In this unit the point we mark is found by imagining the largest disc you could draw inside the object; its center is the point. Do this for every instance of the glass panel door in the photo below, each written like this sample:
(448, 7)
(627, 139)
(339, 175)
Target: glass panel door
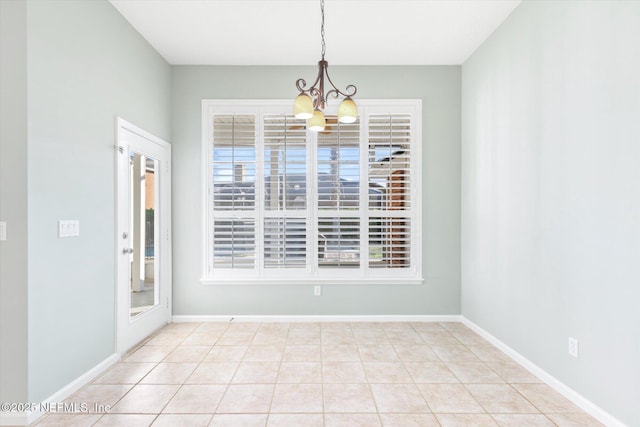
(143, 212)
(143, 235)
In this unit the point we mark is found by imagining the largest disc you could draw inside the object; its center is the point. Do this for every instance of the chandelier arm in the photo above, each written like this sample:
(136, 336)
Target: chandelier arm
(301, 83)
(318, 99)
(350, 90)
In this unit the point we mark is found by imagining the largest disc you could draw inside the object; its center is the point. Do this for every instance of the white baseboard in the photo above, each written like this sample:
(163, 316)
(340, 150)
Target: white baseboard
(318, 318)
(575, 397)
(26, 418)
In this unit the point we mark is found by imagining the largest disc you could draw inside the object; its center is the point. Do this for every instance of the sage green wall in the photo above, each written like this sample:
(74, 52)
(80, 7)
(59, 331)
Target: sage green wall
(86, 65)
(13, 200)
(551, 193)
(439, 89)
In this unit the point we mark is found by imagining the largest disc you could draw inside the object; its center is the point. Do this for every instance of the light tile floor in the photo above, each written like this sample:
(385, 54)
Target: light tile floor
(318, 374)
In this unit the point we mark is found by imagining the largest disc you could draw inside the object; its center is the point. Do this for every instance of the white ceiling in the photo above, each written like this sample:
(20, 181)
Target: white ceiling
(287, 32)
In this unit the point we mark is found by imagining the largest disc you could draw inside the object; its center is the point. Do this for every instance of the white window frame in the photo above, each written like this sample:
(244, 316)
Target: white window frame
(311, 274)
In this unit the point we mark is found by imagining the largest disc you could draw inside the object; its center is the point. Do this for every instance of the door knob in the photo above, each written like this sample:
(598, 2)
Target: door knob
(127, 251)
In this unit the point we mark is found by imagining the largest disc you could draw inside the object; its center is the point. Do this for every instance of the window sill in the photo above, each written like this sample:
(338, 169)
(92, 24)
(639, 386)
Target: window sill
(295, 282)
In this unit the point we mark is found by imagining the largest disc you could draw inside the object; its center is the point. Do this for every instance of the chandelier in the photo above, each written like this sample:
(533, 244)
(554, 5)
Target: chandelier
(311, 102)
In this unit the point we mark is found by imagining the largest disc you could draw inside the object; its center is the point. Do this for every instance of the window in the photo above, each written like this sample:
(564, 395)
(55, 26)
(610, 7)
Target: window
(283, 204)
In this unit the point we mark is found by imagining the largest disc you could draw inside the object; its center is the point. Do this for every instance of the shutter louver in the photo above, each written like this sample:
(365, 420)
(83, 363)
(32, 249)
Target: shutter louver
(339, 166)
(285, 162)
(389, 243)
(285, 242)
(338, 242)
(234, 164)
(390, 162)
(234, 243)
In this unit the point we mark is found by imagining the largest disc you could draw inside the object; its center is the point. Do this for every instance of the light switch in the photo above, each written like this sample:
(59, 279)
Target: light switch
(68, 228)
(3, 231)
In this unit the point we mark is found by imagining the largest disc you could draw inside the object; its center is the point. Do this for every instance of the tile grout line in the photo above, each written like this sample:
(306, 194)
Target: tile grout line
(375, 403)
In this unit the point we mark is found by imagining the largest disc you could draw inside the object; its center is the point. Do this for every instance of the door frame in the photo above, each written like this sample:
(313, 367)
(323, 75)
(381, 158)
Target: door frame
(153, 318)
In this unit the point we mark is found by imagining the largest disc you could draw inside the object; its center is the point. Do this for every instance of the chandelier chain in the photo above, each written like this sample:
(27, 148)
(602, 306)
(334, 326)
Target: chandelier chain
(324, 46)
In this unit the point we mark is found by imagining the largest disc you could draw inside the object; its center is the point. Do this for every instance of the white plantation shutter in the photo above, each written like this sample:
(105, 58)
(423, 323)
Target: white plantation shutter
(285, 191)
(288, 205)
(389, 170)
(338, 195)
(233, 157)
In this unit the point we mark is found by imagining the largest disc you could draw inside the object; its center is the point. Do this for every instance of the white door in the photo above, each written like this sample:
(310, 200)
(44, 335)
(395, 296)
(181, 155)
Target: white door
(143, 235)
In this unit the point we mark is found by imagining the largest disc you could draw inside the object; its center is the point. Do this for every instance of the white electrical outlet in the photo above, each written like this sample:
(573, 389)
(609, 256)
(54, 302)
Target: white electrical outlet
(68, 228)
(574, 347)
(3, 230)
(317, 291)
